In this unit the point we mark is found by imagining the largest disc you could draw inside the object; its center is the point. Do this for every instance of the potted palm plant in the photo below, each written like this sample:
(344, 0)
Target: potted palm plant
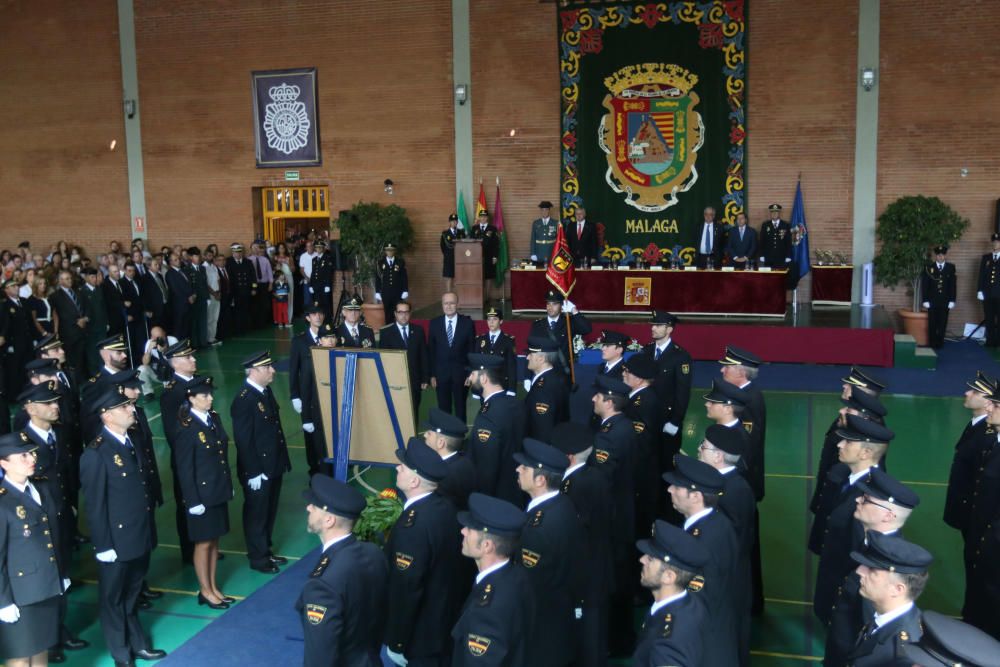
(365, 228)
(906, 231)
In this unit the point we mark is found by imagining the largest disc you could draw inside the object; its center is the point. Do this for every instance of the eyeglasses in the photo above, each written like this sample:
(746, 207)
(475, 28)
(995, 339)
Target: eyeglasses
(867, 500)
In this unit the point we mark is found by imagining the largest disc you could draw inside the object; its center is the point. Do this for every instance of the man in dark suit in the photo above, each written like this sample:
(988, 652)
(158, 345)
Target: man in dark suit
(199, 307)
(15, 339)
(401, 335)
(182, 298)
(497, 431)
(72, 321)
(261, 460)
(424, 553)
(938, 287)
(775, 241)
(342, 606)
(581, 236)
(553, 325)
(94, 309)
(302, 385)
(351, 332)
(154, 294)
(449, 342)
(391, 281)
(547, 402)
(136, 330)
(741, 245)
(501, 344)
(225, 324)
(672, 384)
(551, 542)
(243, 281)
(445, 434)
(711, 241)
(114, 300)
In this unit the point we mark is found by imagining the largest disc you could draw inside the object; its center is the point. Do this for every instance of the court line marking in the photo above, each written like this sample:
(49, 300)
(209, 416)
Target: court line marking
(794, 656)
(230, 551)
(782, 475)
(172, 591)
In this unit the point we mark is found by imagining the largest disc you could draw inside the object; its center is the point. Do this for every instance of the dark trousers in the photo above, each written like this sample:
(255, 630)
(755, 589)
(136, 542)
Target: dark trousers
(199, 324)
(452, 391)
(4, 414)
(991, 308)
(118, 586)
(242, 312)
(593, 636)
(315, 446)
(756, 574)
(937, 324)
(181, 318)
(180, 518)
(701, 260)
(136, 336)
(75, 355)
(262, 306)
(259, 510)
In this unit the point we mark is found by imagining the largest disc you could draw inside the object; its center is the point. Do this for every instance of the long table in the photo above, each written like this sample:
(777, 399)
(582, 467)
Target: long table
(759, 293)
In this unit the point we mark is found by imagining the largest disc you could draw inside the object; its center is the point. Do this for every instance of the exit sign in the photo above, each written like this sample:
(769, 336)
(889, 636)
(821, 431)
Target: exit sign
(292, 175)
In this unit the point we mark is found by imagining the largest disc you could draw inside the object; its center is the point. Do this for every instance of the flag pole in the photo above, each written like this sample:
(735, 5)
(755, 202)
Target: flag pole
(569, 344)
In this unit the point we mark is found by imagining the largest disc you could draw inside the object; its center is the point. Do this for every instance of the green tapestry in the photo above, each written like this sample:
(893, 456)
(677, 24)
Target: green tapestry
(653, 120)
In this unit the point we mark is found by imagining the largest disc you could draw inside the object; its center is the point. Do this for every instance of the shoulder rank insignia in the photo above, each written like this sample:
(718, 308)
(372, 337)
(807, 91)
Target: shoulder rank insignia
(484, 599)
(201, 436)
(637, 401)
(483, 434)
(411, 518)
(170, 385)
(748, 426)
(478, 645)
(118, 461)
(321, 566)
(565, 485)
(537, 519)
(540, 382)
(260, 406)
(20, 511)
(403, 561)
(904, 636)
(315, 614)
(24, 436)
(530, 558)
(638, 427)
(601, 455)
(685, 368)
(667, 623)
(541, 408)
(696, 584)
(3, 491)
(484, 408)
(482, 343)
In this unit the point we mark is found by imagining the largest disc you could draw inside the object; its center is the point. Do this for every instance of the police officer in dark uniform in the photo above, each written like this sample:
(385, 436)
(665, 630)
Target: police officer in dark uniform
(302, 383)
(893, 574)
(672, 384)
(988, 291)
(15, 338)
(50, 347)
(497, 430)
(34, 578)
(424, 553)
(261, 459)
(114, 353)
(180, 356)
(243, 283)
(499, 343)
(543, 233)
(445, 435)
(351, 332)
(547, 402)
(775, 240)
(553, 325)
(321, 279)
(938, 286)
(498, 618)
(551, 543)
(199, 308)
(391, 281)
(120, 517)
(490, 237)
(342, 606)
(643, 408)
(613, 346)
(448, 238)
(675, 628)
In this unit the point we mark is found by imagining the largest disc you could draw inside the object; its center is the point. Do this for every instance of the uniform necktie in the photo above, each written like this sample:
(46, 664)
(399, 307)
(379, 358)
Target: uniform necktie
(741, 233)
(32, 492)
(940, 267)
(354, 332)
(406, 334)
(62, 378)
(51, 440)
(128, 443)
(451, 333)
(208, 421)
(256, 265)
(552, 324)
(656, 356)
(493, 340)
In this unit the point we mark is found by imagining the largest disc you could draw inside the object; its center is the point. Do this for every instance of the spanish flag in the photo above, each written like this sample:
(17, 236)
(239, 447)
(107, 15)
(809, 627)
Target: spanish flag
(560, 272)
(481, 204)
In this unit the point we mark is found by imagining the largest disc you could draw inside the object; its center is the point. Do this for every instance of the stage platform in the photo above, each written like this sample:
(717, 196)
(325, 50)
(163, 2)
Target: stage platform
(808, 334)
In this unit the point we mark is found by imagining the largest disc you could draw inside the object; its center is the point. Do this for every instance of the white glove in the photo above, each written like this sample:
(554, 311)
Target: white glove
(511, 392)
(255, 482)
(670, 429)
(979, 295)
(308, 427)
(378, 298)
(951, 304)
(405, 295)
(109, 556)
(569, 307)
(527, 385)
(197, 510)
(66, 584)
(788, 260)
(578, 613)
(396, 657)
(10, 614)
(297, 405)
(534, 258)
(926, 304)
(326, 290)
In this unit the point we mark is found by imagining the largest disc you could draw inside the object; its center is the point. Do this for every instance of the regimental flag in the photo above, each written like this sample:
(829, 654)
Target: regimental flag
(560, 272)
(481, 204)
(800, 239)
(463, 216)
(502, 259)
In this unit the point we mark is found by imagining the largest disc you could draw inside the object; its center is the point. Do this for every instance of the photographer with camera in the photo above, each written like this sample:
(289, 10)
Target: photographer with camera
(154, 366)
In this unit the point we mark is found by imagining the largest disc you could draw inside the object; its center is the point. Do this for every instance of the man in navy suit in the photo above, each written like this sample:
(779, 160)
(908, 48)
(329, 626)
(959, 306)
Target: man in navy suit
(742, 243)
(401, 335)
(451, 339)
(582, 238)
(711, 241)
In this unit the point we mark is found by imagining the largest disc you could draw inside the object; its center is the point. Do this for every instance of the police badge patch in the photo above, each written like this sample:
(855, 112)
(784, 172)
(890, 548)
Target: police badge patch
(483, 434)
(315, 614)
(478, 645)
(601, 455)
(530, 558)
(403, 561)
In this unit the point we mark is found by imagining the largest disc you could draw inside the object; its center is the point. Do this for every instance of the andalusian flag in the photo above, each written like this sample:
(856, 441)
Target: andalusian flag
(463, 217)
(502, 260)
(481, 204)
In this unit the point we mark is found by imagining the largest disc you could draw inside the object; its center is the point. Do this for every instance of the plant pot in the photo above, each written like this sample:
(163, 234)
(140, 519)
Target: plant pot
(375, 316)
(914, 324)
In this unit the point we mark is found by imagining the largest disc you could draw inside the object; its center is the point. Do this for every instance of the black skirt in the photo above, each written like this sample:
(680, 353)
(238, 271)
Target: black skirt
(34, 632)
(211, 525)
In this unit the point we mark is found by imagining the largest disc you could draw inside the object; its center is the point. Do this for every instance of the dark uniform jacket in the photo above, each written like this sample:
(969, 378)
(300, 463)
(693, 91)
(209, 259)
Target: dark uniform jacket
(938, 286)
(775, 245)
(391, 282)
(975, 441)
(491, 248)
(448, 238)
(725, 586)
(92, 300)
(543, 237)
(590, 493)
(754, 420)
(119, 504)
(497, 433)
(504, 347)
(674, 635)
(323, 266)
(31, 570)
(578, 324)
(738, 504)
(260, 442)
(989, 276)
(341, 606)
(460, 481)
(497, 621)
(16, 351)
(424, 553)
(142, 436)
(417, 360)
(613, 372)
(614, 455)
(203, 462)
(301, 380)
(546, 405)
(242, 276)
(365, 337)
(673, 381)
(551, 544)
(885, 647)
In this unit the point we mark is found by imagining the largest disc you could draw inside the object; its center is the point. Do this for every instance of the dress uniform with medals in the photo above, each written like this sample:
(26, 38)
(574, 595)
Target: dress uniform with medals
(174, 395)
(498, 618)
(939, 290)
(543, 234)
(321, 279)
(879, 645)
(391, 281)
(448, 238)
(360, 335)
(342, 605)
(555, 329)
(674, 631)
(261, 462)
(497, 432)
(552, 541)
(33, 578)
(547, 402)
(243, 282)
(673, 387)
(424, 552)
(775, 240)
(500, 344)
(490, 237)
(988, 291)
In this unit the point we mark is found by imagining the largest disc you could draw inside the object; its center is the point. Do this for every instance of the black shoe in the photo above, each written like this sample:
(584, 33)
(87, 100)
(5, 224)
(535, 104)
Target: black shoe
(280, 560)
(144, 604)
(56, 655)
(75, 644)
(228, 600)
(150, 654)
(270, 568)
(202, 601)
(149, 593)
(119, 663)
(222, 556)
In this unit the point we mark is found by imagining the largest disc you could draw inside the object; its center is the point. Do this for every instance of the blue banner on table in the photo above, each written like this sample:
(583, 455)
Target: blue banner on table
(286, 118)
(800, 240)
(653, 120)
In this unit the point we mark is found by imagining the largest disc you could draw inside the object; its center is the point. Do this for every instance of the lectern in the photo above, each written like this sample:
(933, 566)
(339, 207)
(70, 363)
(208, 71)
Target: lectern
(469, 277)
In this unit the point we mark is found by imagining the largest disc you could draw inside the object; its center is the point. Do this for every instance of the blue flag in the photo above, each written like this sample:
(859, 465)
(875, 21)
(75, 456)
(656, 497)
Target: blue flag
(800, 236)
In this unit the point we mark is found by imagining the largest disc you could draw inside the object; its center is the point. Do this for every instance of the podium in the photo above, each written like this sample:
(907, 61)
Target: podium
(469, 277)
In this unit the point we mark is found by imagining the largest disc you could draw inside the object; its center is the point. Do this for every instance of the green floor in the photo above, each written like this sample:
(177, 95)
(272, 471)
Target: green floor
(787, 634)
